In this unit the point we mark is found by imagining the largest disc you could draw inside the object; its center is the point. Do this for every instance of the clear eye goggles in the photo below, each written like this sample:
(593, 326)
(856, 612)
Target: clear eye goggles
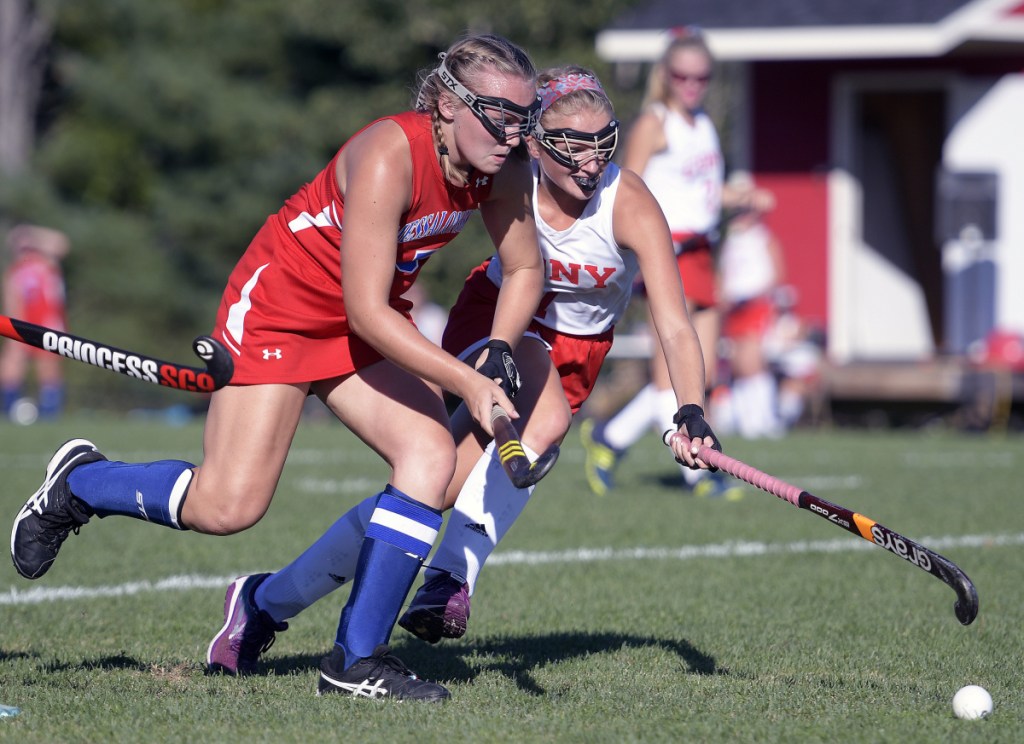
(502, 118)
(574, 149)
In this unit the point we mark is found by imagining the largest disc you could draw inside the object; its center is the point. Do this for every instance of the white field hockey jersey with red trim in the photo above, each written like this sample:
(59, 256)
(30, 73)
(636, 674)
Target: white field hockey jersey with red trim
(746, 263)
(587, 277)
(686, 177)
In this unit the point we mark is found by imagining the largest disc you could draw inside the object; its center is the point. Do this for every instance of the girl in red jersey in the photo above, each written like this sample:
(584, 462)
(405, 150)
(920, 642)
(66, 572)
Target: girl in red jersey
(315, 306)
(33, 291)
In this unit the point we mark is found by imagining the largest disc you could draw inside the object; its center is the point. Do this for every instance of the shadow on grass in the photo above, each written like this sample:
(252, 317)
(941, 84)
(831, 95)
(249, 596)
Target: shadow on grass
(513, 657)
(16, 655)
(670, 480)
(117, 661)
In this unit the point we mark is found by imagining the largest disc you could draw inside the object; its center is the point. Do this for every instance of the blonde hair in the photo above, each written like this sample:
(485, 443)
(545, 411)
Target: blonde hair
(579, 99)
(466, 60)
(658, 88)
(51, 243)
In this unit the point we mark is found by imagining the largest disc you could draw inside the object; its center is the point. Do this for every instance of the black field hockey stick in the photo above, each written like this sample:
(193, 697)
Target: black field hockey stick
(966, 606)
(216, 374)
(516, 464)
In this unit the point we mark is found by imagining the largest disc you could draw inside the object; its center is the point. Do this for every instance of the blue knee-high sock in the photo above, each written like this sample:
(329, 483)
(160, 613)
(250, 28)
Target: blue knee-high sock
(398, 539)
(10, 397)
(51, 401)
(152, 491)
(324, 566)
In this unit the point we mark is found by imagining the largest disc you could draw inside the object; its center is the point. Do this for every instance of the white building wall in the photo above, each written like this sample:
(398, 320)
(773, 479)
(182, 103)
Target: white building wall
(989, 136)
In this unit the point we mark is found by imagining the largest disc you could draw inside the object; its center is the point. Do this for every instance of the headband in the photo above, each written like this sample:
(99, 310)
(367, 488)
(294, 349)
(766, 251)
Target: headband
(552, 90)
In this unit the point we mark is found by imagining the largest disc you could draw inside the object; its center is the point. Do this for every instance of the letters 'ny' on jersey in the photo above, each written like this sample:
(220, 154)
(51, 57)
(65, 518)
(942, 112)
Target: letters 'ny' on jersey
(588, 278)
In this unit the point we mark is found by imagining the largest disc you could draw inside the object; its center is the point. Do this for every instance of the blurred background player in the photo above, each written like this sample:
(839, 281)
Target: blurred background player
(751, 270)
(33, 289)
(674, 146)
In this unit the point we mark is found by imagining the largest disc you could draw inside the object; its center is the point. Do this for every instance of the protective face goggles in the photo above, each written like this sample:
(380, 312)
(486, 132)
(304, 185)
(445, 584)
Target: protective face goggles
(501, 117)
(574, 149)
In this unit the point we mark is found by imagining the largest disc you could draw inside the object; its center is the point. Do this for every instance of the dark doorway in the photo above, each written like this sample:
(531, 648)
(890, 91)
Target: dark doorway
(902, 132)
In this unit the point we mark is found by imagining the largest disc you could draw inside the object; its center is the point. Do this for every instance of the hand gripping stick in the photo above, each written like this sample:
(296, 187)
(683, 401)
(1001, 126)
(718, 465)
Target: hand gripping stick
(517, 465)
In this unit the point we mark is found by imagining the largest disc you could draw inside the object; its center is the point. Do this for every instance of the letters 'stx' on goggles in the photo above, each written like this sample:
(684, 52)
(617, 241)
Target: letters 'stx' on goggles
(500, 116)
(574, 149)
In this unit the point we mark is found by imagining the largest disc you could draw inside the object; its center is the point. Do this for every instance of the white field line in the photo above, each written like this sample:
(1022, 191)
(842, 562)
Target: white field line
(36, 595)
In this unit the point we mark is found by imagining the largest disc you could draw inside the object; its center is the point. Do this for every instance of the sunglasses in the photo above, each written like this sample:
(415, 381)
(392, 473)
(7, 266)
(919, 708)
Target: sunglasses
(682, 77)
(498, 115)
(574, 149)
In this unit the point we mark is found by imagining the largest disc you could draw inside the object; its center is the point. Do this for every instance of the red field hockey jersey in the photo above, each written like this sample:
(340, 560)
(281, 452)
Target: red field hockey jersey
(437, 214)
(282, 313)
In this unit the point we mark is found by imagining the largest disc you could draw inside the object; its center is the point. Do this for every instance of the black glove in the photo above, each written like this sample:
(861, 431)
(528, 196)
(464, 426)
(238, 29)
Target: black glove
(499, 365)
(692, 417)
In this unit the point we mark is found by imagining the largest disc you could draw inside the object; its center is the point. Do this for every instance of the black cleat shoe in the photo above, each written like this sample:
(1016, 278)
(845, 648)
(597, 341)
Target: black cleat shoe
(382, 675)
(52, 512)
(439, 609)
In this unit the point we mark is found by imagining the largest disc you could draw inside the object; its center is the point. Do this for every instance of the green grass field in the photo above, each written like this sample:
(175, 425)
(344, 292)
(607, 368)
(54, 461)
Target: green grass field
(645, 616)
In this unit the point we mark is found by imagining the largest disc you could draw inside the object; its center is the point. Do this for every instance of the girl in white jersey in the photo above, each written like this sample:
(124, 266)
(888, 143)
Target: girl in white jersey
(597, 227)
(674, 146)
(752, 267)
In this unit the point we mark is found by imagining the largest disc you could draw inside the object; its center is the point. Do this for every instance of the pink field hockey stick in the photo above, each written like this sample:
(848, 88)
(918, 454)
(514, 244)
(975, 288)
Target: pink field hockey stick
(966, 606)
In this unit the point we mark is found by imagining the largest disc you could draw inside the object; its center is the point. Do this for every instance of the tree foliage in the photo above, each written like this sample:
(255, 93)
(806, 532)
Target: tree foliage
(168, 131)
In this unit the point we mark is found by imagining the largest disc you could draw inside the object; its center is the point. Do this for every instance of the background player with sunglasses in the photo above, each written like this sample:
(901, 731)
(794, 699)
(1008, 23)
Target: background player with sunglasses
(315, 306)
(674, 146)
(598, 226)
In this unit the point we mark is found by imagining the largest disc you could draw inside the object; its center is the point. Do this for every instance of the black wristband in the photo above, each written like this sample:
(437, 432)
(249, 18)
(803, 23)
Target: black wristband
(692, 417)
(497, 343)
(688, 410)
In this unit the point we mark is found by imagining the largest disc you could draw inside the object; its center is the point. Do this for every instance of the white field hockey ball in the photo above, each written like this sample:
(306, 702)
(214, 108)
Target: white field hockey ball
(972, 702)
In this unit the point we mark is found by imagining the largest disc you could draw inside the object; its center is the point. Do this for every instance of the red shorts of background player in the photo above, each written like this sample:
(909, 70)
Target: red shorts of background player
(753, 317)
(577, 359)
(697, 270)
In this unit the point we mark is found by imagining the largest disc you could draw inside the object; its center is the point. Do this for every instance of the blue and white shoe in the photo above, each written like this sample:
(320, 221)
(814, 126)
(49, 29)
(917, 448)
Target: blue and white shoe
(717, 486)
(600, 459)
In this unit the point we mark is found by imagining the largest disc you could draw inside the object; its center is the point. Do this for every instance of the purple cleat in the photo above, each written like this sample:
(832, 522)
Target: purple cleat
(248, 631)
(439, 609)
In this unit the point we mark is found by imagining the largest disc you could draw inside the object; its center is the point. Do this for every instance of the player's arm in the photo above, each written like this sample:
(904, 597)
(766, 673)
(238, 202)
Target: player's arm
(646, 137)
(12, 296)
(508, 217)
(745, 199)
(375, 174)
(778, 260)
(640, 226)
